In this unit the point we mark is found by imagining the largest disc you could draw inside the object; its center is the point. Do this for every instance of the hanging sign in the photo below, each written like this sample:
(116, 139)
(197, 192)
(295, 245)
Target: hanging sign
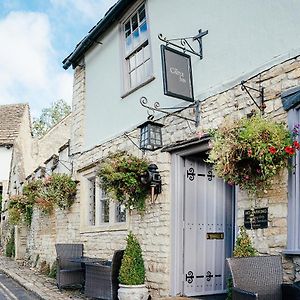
(177, 74)
(256, 219)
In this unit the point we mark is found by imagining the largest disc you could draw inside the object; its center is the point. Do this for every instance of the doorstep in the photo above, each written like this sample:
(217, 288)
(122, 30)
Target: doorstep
(213, 297)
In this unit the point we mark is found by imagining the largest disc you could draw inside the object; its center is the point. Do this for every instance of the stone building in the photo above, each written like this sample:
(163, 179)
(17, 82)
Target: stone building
(15, 131)
(117, 64)
(28, 155)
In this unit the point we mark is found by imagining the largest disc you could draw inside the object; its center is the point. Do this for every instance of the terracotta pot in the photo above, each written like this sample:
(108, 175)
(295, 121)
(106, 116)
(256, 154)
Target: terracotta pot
(133, 292)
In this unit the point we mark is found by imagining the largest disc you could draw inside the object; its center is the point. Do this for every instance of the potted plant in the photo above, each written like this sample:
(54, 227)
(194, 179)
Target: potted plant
(132, 272)
(243, 248)
(250, 152)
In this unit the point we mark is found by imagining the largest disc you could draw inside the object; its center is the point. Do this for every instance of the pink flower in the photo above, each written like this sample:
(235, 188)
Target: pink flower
(199, 134)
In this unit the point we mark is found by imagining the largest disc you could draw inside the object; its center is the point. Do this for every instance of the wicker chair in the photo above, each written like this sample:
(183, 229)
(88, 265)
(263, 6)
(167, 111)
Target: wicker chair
(101, 279)
(69, 273)
(260, 277)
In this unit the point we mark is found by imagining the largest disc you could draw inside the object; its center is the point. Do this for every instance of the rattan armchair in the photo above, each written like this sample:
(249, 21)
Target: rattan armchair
(260, 277)
(101, 279)
(69, 273)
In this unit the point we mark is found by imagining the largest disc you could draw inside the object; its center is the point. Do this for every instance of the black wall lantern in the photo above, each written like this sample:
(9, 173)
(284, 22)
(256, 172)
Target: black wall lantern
(150, 135)
(153, 178)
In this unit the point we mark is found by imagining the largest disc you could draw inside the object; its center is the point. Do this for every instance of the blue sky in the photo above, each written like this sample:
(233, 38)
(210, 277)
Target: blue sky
(36, 35)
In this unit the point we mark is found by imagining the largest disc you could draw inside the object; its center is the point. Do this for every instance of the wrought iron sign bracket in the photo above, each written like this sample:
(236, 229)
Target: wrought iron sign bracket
(167, 110)
(260, 90)
(185, 44)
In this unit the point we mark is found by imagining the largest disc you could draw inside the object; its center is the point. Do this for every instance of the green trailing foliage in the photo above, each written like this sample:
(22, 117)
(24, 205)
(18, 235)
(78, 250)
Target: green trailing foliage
(53, 269)
(132, 271)
(60, 189)
(249, 152)
(55, 190)
(120, 176)
(20, 210)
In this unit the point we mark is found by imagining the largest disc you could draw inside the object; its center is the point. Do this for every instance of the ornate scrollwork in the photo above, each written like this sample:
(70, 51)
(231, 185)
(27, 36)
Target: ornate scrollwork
(185, 45)
(189, 277)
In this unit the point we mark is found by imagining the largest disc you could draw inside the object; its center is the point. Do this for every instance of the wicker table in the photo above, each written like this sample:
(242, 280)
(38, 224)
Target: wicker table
(101, 278)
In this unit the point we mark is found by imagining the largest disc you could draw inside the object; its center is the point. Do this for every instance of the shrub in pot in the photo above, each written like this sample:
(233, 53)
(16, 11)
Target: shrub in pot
(132, 272)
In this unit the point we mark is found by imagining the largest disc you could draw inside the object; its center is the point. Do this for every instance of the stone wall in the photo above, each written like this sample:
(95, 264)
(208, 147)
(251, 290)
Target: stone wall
(154, 228)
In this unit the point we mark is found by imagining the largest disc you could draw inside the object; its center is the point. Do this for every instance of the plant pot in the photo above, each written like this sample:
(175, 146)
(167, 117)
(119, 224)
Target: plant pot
(133, 292)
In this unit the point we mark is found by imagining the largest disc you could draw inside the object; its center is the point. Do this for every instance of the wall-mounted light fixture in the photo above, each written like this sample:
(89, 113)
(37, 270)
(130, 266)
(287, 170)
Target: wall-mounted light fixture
(150, 135)
(153, 178)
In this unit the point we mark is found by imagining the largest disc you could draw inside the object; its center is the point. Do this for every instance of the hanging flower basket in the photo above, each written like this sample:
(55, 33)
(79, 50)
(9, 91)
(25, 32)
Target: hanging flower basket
(120, 176)
(249, 152)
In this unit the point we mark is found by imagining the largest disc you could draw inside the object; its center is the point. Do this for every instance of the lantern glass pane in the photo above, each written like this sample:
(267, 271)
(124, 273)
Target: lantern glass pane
(150, 138)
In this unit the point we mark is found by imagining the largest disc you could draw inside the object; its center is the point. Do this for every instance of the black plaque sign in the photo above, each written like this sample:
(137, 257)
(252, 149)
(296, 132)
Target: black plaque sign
(256, 219)
(177, 74)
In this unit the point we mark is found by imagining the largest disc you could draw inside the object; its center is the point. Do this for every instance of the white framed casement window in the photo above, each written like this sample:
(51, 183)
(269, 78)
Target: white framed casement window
(99, 211)
(135, 40)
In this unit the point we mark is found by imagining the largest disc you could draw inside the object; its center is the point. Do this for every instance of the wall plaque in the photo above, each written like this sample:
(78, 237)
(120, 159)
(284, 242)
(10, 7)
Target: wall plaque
(256, 219)
(215, 235)
(177, 74)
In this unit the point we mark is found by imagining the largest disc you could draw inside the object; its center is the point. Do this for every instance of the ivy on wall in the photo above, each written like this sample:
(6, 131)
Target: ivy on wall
(55, 190)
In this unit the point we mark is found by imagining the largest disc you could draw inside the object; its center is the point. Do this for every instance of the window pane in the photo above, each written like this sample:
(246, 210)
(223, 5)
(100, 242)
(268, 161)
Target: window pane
(142, 14)
(128, 46)
(136, 39)
(134, 22)
(147, 68)
(127, 29)
(132, 78)
(146, 52)
(143, 32)
(139, 74)
(131, 62)
(104, 211)
(139, 57)
(143, 27)
(92, 201)
(120, 213)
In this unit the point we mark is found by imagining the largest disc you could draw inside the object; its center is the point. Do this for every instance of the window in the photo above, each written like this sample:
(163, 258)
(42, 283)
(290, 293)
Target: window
(291, 101)
(101, 210)
(137, 57)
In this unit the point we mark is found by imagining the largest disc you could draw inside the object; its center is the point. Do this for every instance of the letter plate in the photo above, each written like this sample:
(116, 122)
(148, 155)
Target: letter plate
(215, 235)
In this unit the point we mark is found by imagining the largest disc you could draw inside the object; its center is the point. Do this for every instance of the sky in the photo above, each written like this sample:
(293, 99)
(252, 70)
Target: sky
(35, 37)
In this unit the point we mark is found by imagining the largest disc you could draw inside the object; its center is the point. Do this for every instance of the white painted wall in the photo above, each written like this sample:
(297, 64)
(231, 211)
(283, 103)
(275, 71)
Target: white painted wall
(5, 159)
(243, 35)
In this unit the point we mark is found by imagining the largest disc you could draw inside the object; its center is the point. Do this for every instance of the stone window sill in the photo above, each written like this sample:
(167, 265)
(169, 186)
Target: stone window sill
(104, 228)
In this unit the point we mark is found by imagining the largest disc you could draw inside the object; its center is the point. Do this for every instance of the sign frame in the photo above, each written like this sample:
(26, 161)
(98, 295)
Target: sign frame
(167, 90)
(259, 218)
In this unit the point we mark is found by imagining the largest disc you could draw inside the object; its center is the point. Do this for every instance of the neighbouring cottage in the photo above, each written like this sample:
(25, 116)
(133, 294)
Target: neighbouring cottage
(15, 131)
(117, 64)
(30, 157)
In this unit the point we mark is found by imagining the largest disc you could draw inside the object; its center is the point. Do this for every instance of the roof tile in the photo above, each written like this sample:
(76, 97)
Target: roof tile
(10, 120)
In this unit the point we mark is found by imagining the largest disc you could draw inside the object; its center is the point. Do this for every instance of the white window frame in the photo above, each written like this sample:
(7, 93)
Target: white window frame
(85, 201)
(126, 87)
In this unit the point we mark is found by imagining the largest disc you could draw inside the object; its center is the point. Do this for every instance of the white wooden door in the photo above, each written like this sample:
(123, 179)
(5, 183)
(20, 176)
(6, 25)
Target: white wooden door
(207, 233)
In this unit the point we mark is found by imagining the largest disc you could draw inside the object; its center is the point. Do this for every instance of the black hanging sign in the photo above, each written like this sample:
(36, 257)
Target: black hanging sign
(256, 219)
(177, 74)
